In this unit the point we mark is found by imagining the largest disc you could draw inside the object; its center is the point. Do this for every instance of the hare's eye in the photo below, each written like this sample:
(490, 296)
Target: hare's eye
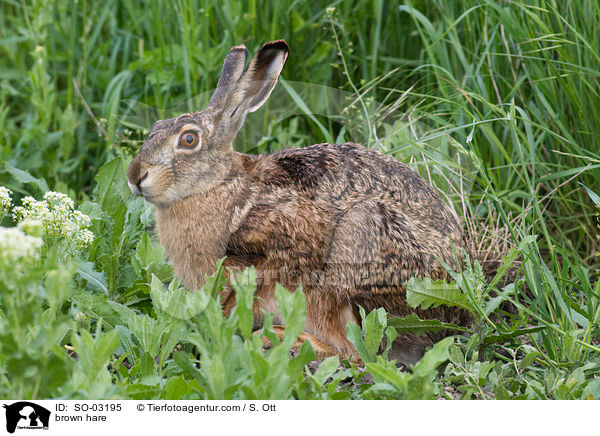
(188, 139)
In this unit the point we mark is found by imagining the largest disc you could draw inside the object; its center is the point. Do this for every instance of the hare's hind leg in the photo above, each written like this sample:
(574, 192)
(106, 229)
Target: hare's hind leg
(325, 326)
(321, 349)
(326, 319)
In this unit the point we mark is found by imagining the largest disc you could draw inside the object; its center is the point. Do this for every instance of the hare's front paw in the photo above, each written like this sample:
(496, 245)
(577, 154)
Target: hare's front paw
(321, 349)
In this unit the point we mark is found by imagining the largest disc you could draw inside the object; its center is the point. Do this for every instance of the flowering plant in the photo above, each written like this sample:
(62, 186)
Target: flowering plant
(17, 248)
(5, 201)
(53, 220)
(57, 219)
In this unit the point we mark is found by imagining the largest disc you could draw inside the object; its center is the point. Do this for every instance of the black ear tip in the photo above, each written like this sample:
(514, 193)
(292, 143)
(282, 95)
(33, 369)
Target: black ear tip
(280, 44)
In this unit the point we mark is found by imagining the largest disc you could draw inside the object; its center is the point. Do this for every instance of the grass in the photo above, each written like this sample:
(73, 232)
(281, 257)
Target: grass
(496, 103)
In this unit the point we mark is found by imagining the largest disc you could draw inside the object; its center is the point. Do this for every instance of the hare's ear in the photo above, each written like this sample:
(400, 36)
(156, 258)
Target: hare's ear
(233, 67)
(259, 79)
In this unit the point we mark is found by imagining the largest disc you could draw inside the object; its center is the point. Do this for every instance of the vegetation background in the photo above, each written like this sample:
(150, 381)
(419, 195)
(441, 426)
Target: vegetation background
(495, 102)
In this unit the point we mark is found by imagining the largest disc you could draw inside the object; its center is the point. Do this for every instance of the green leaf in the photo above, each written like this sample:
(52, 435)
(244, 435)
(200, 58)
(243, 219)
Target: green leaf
(413, 324)
(94, 353)
(384, 371)
(433, 358)
(142, 391)
(502, 393)
(304, 355)
(111, 189)
(367, 340)
(112, 194)
(456, 355)
(96, 279)
(379, 391)
(58, 284)
(390, 335)
(183, 361)
(508, 260)
(592, 390)
(491, 339)
(292, 307)
(146, 365)
(528, 360)
(213, 284)
(24, 177)
(175, 388)
(326, 369)
(147, 331)
(128, 343)
(594, 197)
(426, 293)
(144, 253)
(493, 303)
(373, 327)
(176, 302)
(355, 336)
(244, 284)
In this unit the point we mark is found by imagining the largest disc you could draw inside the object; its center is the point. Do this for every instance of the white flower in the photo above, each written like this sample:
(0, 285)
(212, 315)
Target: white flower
(84, 238)
(80, 219)
(16, 245)
(5, 200)
(59, 200)
(31, 208)
(19, 213)
(58, 219)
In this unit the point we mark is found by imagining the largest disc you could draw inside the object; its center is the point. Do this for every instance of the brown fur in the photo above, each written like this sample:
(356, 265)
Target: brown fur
(348, 223)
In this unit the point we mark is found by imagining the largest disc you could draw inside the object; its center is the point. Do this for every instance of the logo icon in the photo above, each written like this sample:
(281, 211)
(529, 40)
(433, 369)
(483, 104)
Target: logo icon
(26, 415)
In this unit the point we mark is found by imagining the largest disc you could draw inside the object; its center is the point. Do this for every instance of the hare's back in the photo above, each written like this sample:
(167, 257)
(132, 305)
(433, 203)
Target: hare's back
(343, 175)
(369, 212)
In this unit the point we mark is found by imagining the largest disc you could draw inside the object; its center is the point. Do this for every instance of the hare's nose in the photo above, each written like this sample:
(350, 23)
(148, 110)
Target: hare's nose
(136, 173)
(136, 187)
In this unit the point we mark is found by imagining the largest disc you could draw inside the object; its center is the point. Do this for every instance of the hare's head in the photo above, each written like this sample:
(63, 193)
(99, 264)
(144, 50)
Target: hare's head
(193, 153)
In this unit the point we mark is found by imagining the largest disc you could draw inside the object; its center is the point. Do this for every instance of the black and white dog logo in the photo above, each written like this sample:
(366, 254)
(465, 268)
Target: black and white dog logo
(26, 415)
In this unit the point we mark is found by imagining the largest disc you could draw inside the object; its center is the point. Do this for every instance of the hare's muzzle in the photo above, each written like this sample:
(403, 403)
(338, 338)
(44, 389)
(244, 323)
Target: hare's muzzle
(135, 189)
(136, 174)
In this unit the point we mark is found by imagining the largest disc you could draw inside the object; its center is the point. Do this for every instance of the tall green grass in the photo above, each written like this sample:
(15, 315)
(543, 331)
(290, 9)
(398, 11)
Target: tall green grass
(513, 87)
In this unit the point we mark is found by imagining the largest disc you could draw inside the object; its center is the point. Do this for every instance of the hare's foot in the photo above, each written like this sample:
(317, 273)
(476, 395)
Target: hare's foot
(321, 349)
(326, 318)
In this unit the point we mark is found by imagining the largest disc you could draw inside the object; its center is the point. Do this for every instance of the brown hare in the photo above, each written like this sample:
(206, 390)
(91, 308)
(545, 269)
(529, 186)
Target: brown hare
(348, 223)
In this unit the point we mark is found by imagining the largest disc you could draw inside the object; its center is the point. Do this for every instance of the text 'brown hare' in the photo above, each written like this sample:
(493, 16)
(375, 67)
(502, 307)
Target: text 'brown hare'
(348, 223)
